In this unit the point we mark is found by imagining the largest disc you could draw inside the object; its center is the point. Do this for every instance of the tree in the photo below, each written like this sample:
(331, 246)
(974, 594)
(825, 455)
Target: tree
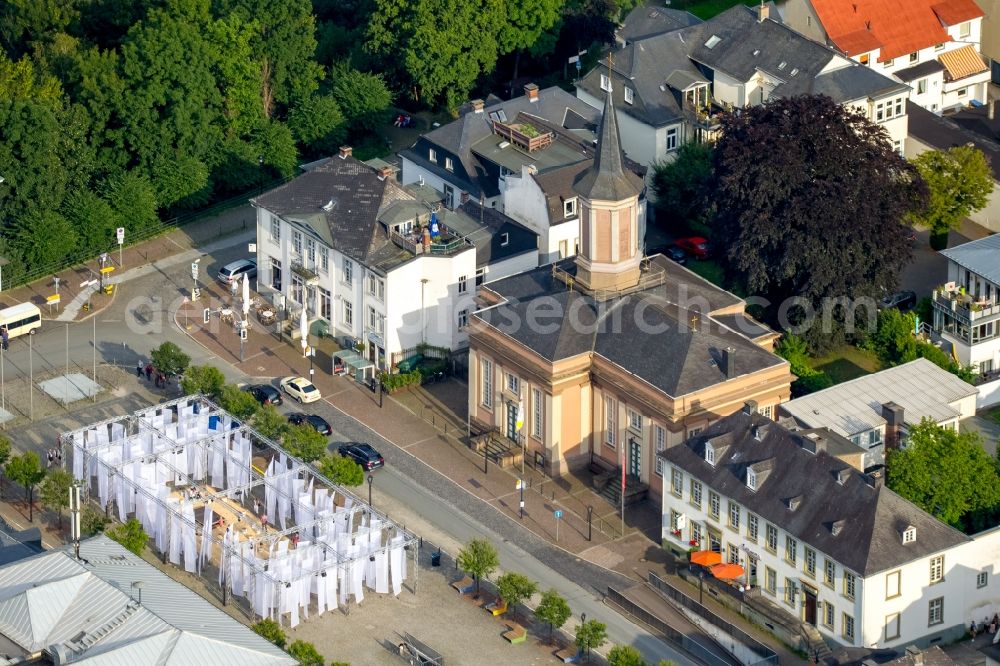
(205, 379)
(553, 610)
(590, 635)
(792, 213)
(130, 535)
(305, 653)
(479, 558)
(240, 404)
(364, 98)
(894, 342)
(944, 472)
(304, 442)
(271, 631)
(26, 469)
(683, 186)
(92, 521)
(341, 470)
(318, 123)
(269, 422)
(5, 448)
(54, 491)
(960, 181)
(169, 359)
(514, 588)
(625, 655)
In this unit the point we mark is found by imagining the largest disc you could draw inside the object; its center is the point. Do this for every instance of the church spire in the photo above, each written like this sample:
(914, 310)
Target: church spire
(606, 179)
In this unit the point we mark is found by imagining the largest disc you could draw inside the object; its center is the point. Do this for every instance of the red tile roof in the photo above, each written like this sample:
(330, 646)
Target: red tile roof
(897, 27)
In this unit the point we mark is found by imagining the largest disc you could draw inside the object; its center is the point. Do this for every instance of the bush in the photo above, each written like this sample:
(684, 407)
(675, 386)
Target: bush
(341, 470)
(205, 379)
(130, 535)
(625, 655)
(271, 631)
(92, 521)
(817, 381)
(306, 654)
(398, 382)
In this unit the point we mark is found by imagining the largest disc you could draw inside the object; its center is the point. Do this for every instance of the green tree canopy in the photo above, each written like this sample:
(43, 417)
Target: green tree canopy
(515, 588)
(480, 559)
(591, 635)
(306, 653)
(960, 181)
(54, 491)
(341, 470)
(130, 535)
(92, 521)
(553, 610)
(169, 359)
(270, 630)
(364, 98)
(269, 422)
(26, 470)
(5, 448)
(625, 655)
(792, 212)
(205, 379)
(240, 404)
(303, 441)
(683, 186)
(945, 473)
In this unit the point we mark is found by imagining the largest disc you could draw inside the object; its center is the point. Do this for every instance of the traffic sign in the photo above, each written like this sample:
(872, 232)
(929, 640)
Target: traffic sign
(194, 270)
(253, 248)
(53, 299)
(558, 513)
(120, 232)
(108, 269)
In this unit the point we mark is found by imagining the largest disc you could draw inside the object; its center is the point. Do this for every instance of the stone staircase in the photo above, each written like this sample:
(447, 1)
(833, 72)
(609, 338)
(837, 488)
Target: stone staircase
(817, 646)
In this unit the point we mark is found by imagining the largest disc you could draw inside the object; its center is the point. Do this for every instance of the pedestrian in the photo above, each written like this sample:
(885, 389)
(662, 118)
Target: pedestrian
(263, 523)
(48, 454)
(160, 379)
(149, 371)
(138, 369)
(5, 337)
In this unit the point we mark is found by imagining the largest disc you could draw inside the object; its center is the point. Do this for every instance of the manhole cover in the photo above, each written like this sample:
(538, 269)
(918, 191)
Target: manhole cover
(260, 368)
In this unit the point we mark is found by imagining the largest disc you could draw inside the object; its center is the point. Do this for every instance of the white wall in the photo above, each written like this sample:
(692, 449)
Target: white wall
(519, 263)
(989, 394)
(641, 142)
(728, 90)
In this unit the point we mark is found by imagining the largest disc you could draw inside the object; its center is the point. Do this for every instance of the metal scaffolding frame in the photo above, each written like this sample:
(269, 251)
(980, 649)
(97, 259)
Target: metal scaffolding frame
(138, 424)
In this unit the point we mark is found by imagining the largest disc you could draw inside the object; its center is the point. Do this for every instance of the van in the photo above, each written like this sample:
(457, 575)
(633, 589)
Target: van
(235, 270)
(21, 319)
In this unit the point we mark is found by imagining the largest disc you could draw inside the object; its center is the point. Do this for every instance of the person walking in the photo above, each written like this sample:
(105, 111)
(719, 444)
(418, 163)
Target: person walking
(138, 369)
(5, 337)
(149, 372)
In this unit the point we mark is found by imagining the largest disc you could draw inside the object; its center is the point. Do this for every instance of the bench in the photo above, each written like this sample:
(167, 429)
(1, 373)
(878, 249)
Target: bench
(464, 586)
(497, 608)
(568, 655)
(515, 633)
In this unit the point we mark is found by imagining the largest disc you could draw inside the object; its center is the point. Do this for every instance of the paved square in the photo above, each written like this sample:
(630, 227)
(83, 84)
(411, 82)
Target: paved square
(70, 388)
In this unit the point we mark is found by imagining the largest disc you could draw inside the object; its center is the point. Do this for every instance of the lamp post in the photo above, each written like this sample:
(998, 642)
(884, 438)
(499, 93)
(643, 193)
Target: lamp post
(371, 480)
(311, 353)
(520, 486)
(260, 175)
(31, 380)
(590, 521)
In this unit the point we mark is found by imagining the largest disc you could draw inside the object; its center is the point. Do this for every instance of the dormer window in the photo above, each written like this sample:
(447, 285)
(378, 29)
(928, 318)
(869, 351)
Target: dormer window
(710, 455)
(569, 208)
(629, 95)
(432, 155)
(605, 82)
(782, 64)
(751, 479)
(504, 239)
(910, 534)
(794, 502)
(837, 527)
(843, 475)
(449, 164)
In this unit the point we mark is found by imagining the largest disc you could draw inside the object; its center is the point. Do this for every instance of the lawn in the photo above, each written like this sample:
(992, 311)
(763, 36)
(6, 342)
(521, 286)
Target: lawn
(706, 9)
(846, 363)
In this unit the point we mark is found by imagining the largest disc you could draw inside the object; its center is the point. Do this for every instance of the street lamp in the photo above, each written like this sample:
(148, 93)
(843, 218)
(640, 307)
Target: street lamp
(311, 353)
(371, 480)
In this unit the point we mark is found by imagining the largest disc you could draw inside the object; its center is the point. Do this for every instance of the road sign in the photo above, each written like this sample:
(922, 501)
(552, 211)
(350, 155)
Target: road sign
(558, 514)
(194, 270)
(53, 299)
(253, 248)
(87, 283)
(120, 232)
(573, 59)
(108, 269)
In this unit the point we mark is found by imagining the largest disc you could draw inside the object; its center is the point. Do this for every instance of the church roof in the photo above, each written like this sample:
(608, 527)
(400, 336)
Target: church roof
(607, 179)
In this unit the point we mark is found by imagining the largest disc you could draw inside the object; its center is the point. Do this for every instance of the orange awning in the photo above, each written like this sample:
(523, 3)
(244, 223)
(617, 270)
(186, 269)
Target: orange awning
(962, 62)
(727, 571)
(706, 558)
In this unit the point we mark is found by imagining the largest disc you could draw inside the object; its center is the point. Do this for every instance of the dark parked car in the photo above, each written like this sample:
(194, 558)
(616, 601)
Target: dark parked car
(265, 394)
(363, 454)
(671, 252)
(902, 300)
(317, 422)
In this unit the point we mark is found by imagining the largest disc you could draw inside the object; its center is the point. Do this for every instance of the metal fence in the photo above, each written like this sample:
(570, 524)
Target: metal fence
(768, 656)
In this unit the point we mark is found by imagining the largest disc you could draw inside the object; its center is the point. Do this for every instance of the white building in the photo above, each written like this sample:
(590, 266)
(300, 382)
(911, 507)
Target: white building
(670, 88)
(877, 410)
(931, 45)
(353, 247)
(967, 306)
(831, 546)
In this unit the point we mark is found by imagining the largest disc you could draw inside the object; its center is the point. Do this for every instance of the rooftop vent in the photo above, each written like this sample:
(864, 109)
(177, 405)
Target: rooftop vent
(782, 64)
(713, 41)
(843, 475)
(795, 70)
(794, 502)
(329, 205)
(503, 144)
(756, 52)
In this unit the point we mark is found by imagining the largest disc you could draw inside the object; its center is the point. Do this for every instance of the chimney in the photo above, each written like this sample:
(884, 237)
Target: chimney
(876, 476)
(750, 407)
(345, 152)
(763, 12)
(531, 92)
(427, 239)
(729, 362)
(386, 172)
(477, 105)
(893, 415)
(813, 443)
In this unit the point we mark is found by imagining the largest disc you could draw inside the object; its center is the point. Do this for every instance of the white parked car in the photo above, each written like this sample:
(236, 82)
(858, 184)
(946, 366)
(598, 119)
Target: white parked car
(300, 388)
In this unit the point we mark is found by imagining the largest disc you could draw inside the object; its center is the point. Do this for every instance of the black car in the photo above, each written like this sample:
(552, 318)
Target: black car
(265, 394)
(671, 252)
(902, 300)
(317, 422)
(363, 454)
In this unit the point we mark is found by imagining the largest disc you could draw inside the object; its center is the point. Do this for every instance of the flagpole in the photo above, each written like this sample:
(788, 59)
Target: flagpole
(623, 489)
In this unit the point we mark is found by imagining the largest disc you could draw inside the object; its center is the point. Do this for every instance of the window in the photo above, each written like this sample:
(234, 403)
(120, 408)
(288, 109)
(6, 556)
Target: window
(480, 276)
(504, 239)
(536, 413)
(432, 155)
(348, 272)
(713, 505)
(790, 590)
(888, 109)
(275, 230)
(376, 321)
(910, 534)
(734, 515)
(981, 579)
(829, 573)
(712, 42)
(628, 95)
(935, 611)
(848, 627)
(463, 318)
(849, 584)
(770, 581)
(324, 303)
(865, 59)
(569, 209)
(513, 384)
(810, 558)
(709, 454)
(771, 538)
(921, 86)
(563, 249)
(888, 63)
(915, 56)
(892, 587)
(297, 243)
(696, 493)
(696, 532)
(311, 251)
(486, 367)
(828, 613)
(605, 83)
(766, 410)
(610, 422)
(676, 481)
(462, 284)
(348, 314)
(671, 138)
(937, 569)
(751, 479)
(964, 29)
(891, 626)
(324, 259)
(694, 432)
(634, 420)
(875, 436)
(371, 284)
(659, 444)
(939, 47)
(791, 550)
(962, 92)
(449, 164)
(752, 527)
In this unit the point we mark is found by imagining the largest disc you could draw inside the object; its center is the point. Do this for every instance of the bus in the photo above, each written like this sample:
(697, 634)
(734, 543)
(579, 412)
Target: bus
(21, 319)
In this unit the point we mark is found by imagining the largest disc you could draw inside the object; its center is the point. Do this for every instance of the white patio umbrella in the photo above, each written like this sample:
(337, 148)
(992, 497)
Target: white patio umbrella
(304, 330)
(246, 295)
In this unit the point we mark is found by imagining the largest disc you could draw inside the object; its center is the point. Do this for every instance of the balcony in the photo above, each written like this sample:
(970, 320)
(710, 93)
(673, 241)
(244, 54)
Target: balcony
(523, 135)
(308, 272)
(965, 307)
(447, 242)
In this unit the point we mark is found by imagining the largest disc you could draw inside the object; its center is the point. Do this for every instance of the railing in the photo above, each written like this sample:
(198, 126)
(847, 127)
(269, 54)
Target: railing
(964, 306)
(300, 269)
(416, 246)
(518, 138)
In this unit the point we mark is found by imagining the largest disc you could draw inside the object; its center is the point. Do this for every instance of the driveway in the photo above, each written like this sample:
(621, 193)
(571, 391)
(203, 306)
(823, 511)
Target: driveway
(928, 268)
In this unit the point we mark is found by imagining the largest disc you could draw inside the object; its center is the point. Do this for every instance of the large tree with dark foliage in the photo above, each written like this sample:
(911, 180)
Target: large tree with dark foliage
(812, 202)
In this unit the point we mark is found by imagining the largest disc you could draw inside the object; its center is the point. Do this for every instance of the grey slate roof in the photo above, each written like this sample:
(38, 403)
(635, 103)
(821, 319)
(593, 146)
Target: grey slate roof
(54, 602)
(943, 133)
(16, 546)
(607, 179)
(651, 19)
(979, 256)
(646, 333)
(496, 236)
(874, 518)
(925, 68)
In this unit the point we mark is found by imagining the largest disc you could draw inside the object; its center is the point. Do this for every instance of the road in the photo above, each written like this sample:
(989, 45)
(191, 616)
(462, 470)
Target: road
(141, 318)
